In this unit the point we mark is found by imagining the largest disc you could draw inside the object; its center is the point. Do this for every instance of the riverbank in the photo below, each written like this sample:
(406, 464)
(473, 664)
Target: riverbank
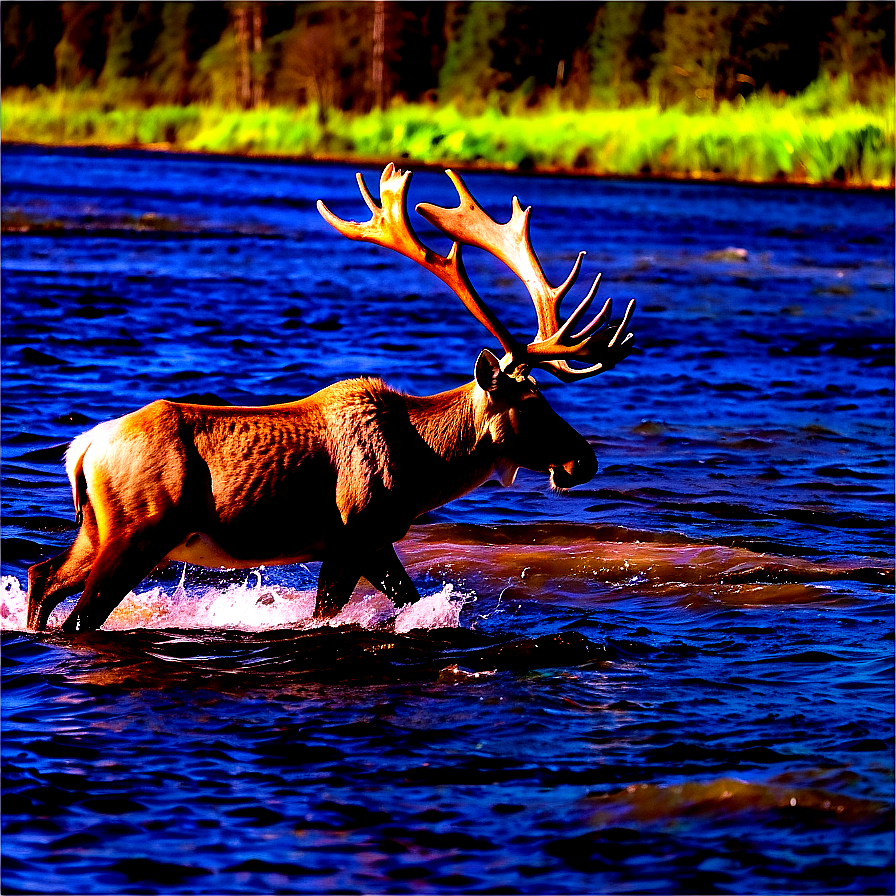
(767, 139)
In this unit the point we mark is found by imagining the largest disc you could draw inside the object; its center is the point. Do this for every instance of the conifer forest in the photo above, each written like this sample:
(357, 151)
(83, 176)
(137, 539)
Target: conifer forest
(751, 91)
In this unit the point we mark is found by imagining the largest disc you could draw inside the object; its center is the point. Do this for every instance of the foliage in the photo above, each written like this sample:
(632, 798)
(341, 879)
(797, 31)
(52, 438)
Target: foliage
(765, 138)
(320, 59)
(618, 64)
(614, 54)
(748, 90)
(468, 70)
(170, 66)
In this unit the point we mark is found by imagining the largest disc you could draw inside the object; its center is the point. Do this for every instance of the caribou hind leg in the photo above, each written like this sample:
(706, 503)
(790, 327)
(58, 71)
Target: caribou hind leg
(121, 564)
(53, 580)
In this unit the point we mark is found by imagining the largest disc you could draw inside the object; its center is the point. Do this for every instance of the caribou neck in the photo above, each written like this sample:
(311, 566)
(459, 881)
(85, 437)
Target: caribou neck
(455, 426)
(447, 422)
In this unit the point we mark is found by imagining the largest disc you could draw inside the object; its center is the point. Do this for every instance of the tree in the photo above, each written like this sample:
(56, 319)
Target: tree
(251, 68)
(471, 30)
(358, 55)
(854, 45)
(132, 29)
(378, 56)
(325, 58)
(696, 42)
(236, 69)
(170, 65)
(415, 48)
(617, 69)
(80, 53)
(30, 34)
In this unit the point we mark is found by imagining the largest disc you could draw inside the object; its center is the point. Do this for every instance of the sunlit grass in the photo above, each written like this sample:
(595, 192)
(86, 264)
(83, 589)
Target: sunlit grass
(798, 140)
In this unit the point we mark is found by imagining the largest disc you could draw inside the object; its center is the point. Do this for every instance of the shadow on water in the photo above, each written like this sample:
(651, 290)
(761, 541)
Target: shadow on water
(162, 658)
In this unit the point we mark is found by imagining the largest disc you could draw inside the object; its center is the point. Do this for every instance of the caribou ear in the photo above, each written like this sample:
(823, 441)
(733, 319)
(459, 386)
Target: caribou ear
(488, 371)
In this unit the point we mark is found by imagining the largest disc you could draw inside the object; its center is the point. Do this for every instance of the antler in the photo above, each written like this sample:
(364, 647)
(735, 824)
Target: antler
(468, 224)
(389, 227)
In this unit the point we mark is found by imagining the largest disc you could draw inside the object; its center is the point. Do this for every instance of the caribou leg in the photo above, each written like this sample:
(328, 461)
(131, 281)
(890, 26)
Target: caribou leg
(385, 572)
(120, 566)
(51, 581)
(335, 584)
(383, 569)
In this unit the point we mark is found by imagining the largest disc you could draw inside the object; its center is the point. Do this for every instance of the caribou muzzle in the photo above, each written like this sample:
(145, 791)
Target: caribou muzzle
(576, 471)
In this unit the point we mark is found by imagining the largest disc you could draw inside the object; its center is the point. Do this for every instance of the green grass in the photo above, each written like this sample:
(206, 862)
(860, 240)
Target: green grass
(806, 139)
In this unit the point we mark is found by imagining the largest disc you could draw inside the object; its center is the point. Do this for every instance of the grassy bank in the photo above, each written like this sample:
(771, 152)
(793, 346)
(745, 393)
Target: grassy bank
(795, 140)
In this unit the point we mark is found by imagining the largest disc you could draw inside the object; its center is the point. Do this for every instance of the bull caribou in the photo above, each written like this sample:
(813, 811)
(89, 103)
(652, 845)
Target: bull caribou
(341, 475)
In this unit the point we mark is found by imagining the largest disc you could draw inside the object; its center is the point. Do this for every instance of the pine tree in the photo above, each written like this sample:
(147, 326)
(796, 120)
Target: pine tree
(616, 69)
(696, 42)
(467, 71)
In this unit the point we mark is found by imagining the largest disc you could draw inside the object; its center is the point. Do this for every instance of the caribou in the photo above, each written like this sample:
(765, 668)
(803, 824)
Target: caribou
(341, 475)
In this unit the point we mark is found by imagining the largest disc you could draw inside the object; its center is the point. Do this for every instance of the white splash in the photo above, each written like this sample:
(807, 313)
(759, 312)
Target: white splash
(13, 610)
(251, 606)
(439, 610)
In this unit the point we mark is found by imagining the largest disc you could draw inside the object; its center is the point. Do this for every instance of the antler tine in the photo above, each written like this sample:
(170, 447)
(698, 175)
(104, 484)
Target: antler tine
(511, 243)
(596, 322)
(469, 224)
(369, 201)
(390, 227)
(610, 350)
(629, 311)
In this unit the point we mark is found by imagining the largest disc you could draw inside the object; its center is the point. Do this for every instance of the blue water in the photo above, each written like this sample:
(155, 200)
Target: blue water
(677, 678)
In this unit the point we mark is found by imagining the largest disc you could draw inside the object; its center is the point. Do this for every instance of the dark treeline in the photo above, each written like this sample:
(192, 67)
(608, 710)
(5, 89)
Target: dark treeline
(357, 56)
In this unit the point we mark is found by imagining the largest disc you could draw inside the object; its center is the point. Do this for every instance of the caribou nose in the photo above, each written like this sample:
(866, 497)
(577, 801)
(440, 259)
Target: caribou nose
(585, 467)
(576, 471)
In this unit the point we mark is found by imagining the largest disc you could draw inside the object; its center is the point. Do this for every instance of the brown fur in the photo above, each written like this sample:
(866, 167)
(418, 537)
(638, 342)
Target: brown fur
(337, 476)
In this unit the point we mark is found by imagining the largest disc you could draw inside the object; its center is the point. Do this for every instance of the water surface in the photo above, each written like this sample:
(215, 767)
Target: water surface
(677, 678)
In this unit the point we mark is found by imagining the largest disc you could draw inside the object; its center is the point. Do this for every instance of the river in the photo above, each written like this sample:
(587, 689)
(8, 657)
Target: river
(677, 678)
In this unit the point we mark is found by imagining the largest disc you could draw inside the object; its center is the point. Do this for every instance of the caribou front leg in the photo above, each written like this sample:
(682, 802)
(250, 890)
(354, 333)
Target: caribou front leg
(335, 584)
(385, 572)
(382, 568)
